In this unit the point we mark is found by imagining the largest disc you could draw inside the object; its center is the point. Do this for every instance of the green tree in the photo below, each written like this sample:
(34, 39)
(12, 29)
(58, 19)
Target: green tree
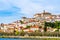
(57, 23)
(22, 33)
(45, 26)
(27, 26)
(21, 22)
(17, 33)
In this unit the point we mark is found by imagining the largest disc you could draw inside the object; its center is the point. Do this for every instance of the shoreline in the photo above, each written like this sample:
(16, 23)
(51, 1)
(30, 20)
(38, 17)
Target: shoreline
(27, 37)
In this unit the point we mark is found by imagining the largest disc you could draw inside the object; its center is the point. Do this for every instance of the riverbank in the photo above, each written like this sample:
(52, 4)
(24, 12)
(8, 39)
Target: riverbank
(27, 37)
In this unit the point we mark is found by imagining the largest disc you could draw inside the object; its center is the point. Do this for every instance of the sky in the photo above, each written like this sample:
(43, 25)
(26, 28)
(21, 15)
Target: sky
(12, 10)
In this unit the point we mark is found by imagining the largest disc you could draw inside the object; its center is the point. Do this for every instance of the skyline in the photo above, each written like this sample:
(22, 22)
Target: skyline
(12, 10)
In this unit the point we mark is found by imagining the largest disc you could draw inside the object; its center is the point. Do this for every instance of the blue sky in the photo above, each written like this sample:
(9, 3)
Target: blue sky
(12, 10)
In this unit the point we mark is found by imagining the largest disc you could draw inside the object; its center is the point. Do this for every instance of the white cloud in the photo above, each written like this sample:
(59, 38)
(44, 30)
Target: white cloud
(28, 7)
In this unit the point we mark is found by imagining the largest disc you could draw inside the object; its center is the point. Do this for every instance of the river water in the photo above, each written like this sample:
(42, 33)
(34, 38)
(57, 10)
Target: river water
(18, 39)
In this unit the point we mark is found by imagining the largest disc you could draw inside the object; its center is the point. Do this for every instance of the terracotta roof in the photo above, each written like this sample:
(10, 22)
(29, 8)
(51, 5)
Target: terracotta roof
(35, 26)
(1, 30)
(30, 31)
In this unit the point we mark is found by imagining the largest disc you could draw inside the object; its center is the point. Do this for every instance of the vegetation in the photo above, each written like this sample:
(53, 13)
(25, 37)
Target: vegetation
(6, 34)
(37, 33)
(22, 33)
(45, 26)
(53, 34)
(21, 22)
(28, 26)
(52, 25)
(55, 24)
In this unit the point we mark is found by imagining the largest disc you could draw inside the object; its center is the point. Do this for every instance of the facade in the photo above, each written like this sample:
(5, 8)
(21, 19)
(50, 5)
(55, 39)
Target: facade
(37, 20)
(47, 16)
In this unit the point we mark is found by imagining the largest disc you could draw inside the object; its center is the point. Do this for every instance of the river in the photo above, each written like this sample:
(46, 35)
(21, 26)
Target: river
(19, 39)
(29, 38)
